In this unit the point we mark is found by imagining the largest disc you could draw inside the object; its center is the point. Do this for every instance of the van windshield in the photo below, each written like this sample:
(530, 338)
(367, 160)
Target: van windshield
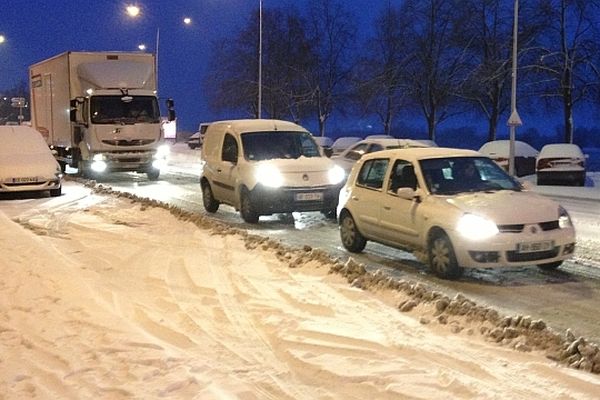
(278, 144)
(113, 110)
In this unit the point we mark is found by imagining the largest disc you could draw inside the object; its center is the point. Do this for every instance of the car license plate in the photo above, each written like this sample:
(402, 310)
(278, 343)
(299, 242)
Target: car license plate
(531, 247)
(25, 180)
(315, 196)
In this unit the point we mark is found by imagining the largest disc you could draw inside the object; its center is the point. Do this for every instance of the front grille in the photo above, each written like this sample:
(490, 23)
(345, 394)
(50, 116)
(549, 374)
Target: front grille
(549, 226)
(513, 256)
(135, 142)
(514, 228)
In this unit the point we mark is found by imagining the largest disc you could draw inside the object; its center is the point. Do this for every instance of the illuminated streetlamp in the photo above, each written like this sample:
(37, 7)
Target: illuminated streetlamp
(142, 47)
(132, 10)
(187, 20)
(2, 39)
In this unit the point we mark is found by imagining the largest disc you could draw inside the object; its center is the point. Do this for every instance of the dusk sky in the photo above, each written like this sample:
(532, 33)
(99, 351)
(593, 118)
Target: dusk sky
(38, 29)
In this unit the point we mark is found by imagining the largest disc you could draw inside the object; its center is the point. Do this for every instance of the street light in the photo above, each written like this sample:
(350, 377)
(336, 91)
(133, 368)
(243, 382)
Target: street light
(514, 120)
(132, 10)
(259, 59)
(2, 39)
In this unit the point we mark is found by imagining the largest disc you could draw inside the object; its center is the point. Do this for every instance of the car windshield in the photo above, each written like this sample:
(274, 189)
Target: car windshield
(278, 144)
(453, 175)
(113, 110)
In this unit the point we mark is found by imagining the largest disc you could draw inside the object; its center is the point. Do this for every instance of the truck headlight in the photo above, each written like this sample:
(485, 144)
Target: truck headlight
(269, 176)
(336, 175)
(474, 227)
(564, 219)
(98, 163)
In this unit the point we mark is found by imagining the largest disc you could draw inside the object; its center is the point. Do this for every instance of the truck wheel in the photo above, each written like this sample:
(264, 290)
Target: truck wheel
(247, 209)
(442, 260)
(211, 205)
(153, 174)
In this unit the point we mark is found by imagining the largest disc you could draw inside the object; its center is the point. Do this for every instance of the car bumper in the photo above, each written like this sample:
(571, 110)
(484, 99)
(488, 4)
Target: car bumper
(288, 199)
(503, 249)
(12, 187)
(550, 177)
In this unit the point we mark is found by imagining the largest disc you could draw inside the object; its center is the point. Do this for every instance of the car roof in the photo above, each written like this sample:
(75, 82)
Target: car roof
(388, 141)
(561, 150)
(259, 125)
(21, 137)
(500, 148)
(419, 153)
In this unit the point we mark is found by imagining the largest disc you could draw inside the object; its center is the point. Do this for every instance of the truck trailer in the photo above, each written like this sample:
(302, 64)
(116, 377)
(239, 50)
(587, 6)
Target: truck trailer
(99, 112)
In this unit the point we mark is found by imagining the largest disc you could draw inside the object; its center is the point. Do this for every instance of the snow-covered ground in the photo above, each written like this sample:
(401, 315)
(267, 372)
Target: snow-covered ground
(111, 297)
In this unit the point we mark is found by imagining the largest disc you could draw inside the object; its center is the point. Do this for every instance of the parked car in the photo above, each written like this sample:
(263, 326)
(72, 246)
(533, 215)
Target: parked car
(561, 163)
(196, 140)
(325, 143)
(348, 157)
(456, 206)
(525, 155)
(264, 167)
(342, 143)
(26, 162)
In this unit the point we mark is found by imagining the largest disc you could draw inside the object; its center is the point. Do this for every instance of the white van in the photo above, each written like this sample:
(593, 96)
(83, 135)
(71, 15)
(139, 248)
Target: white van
(263, 167)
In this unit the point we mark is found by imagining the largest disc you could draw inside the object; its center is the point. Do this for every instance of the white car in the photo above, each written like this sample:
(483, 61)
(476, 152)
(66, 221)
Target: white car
(263, 167)
(457, 206)
(26, 162)
(348, 157)
(561, 163)
(525, 155)
(342, 143)
(196, 140)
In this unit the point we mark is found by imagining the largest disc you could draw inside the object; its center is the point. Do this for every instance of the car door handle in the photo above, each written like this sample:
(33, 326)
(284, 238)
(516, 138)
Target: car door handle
(387, 208)
(218, 169)
(354, 198)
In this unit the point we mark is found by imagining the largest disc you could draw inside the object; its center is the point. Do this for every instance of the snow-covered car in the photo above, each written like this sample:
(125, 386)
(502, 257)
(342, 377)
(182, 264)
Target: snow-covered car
(457, 207)
(525, 155)
(264, 167)
(26, 162)
(348, 157)
(325, 143)
(561, 163)
(342, 143)
(196, 140)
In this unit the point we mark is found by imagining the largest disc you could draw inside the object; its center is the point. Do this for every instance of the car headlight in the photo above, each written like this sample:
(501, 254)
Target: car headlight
(564, 220)
(474, 227)
(162, 151)
(269, 176)
(336, 175)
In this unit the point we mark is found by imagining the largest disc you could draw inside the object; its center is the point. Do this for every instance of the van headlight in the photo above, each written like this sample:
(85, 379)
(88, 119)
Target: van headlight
(336, 175)
(269, 175)
(564, 219)
(474, 227)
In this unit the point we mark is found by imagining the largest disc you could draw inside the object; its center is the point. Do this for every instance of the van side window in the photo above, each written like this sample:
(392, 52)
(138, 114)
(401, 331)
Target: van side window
(230, 149)
(372, 173)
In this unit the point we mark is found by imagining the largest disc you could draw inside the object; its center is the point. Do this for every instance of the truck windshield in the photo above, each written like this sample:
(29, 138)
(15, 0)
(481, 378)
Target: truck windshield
(278, 144)
(113, 110)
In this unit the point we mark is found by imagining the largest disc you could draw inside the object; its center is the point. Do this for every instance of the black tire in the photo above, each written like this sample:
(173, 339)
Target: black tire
(550, 266)
(352, 239)
(247, 209)
(56, 192)
(211, 205)
(442, 259)
(63, 166)
(153, 174)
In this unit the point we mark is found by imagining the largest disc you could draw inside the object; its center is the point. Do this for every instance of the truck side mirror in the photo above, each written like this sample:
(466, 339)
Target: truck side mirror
(73, 114)
(170, 110)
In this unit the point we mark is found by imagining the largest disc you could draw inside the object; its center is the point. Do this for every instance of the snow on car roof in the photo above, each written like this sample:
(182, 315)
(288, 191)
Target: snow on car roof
(345, 141)
(419, 153)
(21, 139)
(260, 125)
(561, 150)
(500, 148)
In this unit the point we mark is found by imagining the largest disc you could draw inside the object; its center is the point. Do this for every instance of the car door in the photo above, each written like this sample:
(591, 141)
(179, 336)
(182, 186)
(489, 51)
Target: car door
(226, 170)
(366, 195)
(398, 215)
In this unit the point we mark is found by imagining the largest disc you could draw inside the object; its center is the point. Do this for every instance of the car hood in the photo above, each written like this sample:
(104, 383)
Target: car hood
(508, 207)
(41, 165)
(303, 171)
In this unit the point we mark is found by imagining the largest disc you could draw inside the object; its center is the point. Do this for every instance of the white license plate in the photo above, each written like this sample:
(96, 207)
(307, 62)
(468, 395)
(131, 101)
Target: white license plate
(315, 196)
(532, 247)
(25, 180)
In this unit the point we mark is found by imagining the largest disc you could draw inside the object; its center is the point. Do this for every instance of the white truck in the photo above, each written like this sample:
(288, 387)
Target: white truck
(98, 111)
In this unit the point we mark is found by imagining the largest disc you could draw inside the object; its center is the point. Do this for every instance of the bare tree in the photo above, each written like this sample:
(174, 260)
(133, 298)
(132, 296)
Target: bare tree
(380, 78)
(568, 58)
(333, 33)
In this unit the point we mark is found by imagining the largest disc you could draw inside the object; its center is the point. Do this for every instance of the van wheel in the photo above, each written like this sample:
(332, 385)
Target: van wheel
(56, 192)
(442, 260)
(352, 239)
(247, 209)
(210, 204)
(550, 266)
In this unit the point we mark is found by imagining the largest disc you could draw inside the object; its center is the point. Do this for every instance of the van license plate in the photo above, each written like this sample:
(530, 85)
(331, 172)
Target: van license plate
(532, 247)
(25, 180)
(316, 196)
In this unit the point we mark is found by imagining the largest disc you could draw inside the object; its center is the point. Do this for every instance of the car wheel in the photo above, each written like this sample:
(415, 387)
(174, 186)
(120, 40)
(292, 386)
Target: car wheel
(210, 204)
(247, 209)
(352, 239)
(442, 259)
(153, 174)
(56, 192)
(550, 266)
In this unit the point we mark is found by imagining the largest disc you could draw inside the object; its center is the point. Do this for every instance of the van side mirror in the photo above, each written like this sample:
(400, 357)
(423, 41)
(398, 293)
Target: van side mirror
(171, 110)
(328, 151)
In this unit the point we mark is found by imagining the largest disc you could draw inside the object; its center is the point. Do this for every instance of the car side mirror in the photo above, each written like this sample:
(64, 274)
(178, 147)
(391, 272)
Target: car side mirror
(328, 151)
(406, 193)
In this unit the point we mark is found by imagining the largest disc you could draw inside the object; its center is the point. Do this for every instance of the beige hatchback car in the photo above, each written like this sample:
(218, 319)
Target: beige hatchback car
(457, 206)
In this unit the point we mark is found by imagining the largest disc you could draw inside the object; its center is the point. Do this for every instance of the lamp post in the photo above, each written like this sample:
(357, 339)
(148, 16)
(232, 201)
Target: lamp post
(259, 59)
(2, 39)
(514, 120)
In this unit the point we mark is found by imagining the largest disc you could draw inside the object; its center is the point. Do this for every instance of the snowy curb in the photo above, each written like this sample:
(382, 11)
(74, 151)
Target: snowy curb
(521, 333)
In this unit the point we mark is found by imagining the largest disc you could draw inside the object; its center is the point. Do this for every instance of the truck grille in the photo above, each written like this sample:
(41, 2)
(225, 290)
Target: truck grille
(135, 142)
